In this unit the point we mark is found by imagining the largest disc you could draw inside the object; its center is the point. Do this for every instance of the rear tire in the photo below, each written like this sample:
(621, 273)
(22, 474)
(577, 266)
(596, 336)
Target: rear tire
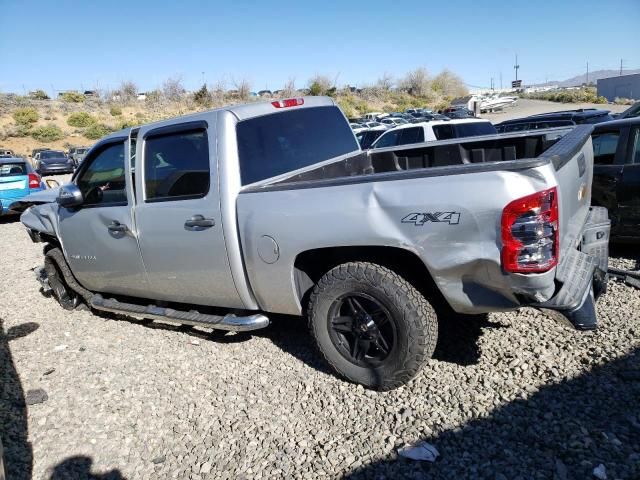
(371, 325)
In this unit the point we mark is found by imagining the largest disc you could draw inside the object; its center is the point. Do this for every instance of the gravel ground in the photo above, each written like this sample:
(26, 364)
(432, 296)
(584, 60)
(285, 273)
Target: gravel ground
(509, 395)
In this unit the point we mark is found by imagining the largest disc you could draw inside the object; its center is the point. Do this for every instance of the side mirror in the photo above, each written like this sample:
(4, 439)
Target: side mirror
(69, 196)
(51, 183)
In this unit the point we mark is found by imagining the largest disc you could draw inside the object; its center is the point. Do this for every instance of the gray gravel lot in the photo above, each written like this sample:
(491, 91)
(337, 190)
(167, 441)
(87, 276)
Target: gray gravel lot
(509, 395)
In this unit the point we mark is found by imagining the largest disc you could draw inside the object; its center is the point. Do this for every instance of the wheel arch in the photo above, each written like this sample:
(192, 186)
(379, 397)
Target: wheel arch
(311, 265)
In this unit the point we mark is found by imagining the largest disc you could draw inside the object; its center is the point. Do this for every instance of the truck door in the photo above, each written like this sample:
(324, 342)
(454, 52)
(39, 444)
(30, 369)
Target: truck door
(629, 190)
(607, 172)
(179, 218)
(98, 237)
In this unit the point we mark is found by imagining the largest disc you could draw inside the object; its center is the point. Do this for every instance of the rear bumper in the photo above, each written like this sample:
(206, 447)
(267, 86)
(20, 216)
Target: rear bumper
(55, 170)
(582, 273)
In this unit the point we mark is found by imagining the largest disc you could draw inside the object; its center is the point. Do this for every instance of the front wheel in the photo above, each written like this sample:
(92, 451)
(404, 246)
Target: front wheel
(371, 325)
(67, 298)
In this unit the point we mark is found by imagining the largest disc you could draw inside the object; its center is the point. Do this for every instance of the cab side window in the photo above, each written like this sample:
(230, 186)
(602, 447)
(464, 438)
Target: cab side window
(102, 181)
(389, 139)
(412, 135)
(176, 166)
(604, 147)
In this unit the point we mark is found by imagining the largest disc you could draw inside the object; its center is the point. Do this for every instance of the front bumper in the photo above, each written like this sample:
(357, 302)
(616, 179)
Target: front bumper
(582, 273)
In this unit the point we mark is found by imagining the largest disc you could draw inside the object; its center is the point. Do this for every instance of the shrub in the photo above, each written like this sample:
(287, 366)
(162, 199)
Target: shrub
(96, 131)
(72, 97)
(39, 95)
(202, 96)
(172, 89)
(80, 119)
(47, 133)
(18, 130)
(319, 85)
(115, 111)
(25, 116)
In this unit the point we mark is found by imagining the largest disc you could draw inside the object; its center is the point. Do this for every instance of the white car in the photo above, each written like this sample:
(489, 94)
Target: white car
(358, 127)
(393, 121)
(432, 131)
(372, 115)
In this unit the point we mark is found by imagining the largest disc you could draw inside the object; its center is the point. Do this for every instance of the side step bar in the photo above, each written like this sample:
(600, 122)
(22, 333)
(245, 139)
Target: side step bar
(228, 322)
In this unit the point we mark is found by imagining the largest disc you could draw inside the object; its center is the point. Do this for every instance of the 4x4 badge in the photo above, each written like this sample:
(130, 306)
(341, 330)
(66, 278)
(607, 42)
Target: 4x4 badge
(419, 219)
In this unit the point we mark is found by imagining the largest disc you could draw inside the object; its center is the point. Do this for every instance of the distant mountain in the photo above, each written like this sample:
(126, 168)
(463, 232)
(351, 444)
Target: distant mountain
(593, 77)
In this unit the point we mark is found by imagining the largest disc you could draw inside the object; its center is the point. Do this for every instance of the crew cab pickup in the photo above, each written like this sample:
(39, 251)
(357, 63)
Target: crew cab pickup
(616, 182)
(222, 218)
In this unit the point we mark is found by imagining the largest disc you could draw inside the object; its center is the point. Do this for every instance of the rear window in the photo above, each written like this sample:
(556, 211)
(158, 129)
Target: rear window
(279, 143)
(474, 129)
(13, 169)
(51, 154)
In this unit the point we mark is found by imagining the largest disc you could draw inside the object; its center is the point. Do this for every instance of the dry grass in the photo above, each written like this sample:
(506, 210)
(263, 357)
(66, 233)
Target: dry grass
(123, 109)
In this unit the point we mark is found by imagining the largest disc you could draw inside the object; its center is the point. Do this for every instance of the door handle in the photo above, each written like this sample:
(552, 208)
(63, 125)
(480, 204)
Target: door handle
(199, 222)
(117, 227)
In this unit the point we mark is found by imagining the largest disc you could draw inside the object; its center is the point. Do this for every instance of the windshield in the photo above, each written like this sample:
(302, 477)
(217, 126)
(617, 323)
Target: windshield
(13, 169)
(51, 154)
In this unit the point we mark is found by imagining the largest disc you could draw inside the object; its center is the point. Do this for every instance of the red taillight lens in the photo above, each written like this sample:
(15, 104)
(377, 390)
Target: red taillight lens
(34, 180)
(530, 238)
(288, 102)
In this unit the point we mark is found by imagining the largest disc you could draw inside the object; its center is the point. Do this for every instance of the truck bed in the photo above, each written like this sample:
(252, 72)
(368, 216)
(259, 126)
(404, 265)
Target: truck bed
(449, 157)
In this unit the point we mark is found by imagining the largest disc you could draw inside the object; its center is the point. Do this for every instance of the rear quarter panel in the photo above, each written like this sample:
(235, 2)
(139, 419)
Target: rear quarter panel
(463, 257)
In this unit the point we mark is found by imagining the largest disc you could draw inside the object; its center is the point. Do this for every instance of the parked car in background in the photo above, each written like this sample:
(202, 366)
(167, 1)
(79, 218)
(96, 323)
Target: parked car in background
(17, 180)
(458, 111)
(367, 137)
(372, 115)
(53, 162)
(526, 124)
(432, 131)
(393, 121)
(291, 217)
(78, 155)
(357, 127)
(559, 119)
(36, 151)
(616, 181)
(6, 151)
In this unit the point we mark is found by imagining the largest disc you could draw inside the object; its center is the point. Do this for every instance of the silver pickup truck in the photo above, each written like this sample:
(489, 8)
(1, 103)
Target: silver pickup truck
(224, 217)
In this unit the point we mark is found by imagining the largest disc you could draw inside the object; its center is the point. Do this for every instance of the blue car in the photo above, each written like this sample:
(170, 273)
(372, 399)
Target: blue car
(17, 180)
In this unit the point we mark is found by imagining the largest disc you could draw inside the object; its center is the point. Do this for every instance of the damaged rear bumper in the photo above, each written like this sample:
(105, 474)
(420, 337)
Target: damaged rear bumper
(582, 273)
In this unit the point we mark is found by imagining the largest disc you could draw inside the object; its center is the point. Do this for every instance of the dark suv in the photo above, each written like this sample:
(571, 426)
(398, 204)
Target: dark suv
(555, 119)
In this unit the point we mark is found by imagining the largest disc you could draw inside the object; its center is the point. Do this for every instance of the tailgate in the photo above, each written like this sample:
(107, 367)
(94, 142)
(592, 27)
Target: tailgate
(572, 158)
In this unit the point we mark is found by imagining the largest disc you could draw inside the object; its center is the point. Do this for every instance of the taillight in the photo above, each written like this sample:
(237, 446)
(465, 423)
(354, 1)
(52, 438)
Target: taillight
(288, 102)
(530, 238)
(34, 180)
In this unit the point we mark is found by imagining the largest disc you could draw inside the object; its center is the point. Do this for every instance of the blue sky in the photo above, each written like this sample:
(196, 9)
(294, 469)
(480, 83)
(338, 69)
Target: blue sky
(72, 45)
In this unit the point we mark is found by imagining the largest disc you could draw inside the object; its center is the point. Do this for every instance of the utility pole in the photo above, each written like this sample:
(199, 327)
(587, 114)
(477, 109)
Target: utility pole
(587, 82)
(491, 83)
(620, 67)
(516, 67)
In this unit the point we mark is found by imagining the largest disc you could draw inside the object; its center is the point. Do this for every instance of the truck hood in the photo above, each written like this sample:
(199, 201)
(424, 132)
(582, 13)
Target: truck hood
(42, 218)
